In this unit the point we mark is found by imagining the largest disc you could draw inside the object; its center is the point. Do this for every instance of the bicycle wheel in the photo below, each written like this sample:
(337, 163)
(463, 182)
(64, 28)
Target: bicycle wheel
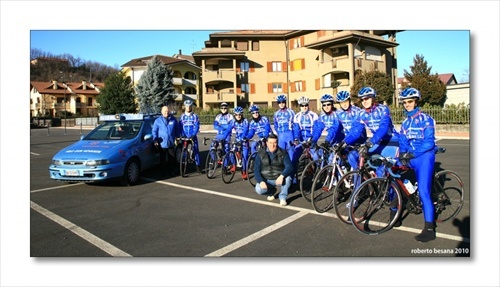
(228, 168)
(307, 178)
(322, 189)
(183, 162)
(250, 173)
(211, 164)
(304, 160)
(448, 195)
(343, 191)
(371, 204)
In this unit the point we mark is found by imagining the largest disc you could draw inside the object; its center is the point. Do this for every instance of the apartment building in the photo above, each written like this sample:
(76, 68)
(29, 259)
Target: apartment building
(254, 66)
(53, 98)
(186, 74)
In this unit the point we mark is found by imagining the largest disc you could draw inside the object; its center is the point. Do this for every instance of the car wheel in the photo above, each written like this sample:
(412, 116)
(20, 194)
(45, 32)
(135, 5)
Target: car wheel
(131, 173)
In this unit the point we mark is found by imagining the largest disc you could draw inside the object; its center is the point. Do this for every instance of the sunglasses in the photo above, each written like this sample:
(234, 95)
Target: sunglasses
(365, 99)
(254, 113)
(304, 106)
(281, 103)
(326, 105)
(408, 102)
(237, 115)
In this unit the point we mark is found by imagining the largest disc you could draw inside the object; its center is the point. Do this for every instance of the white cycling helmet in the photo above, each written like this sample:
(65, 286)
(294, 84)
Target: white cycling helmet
(303, 101)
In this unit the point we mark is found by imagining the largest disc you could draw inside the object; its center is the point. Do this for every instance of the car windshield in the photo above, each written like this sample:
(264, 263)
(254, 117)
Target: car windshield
(115, 131)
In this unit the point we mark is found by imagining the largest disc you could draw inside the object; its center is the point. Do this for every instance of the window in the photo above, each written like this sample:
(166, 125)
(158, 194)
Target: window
(298, 64)
(373, 53)
(327, 80)
(277, 88)
(276, 66)
(244, 66)
(225, 44)
(244, 88)
(89, 101)
(242, 45)
(255, 46)
(298, 86)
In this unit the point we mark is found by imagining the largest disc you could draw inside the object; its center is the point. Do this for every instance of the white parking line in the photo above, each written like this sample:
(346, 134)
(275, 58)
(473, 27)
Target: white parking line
(223, 251)
(89, 237)
(56, 187)
(34, 153)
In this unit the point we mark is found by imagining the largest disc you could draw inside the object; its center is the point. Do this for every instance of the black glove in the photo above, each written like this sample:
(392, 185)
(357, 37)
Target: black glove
(405, 158)
(369, 144)
(326, 145)
(338, 146)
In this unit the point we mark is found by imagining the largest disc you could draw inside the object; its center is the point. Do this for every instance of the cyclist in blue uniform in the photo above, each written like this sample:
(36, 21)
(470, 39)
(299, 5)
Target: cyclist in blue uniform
(303, 123)
(354, 130)
(240, 127)
(223, 123)
(283, 125)
(377, 118)
(329, 122)
(257, 125)
(189, 126)
(417, 144)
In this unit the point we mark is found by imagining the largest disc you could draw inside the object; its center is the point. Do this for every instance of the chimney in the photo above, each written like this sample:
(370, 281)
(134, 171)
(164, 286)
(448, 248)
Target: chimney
(180, 52)
(54, 84)
(84, 84)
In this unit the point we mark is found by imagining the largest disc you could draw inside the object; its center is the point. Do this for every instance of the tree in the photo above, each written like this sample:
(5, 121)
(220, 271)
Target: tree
(155, 87)
(117, 96)
(432, 90)
(379, 81)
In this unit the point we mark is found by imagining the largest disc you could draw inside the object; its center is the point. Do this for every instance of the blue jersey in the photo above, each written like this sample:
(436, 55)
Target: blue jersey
(241, 129)
(377, 118)
(261, 127)
(355, 131)
(331, 124)
(417, 134)
(223, 123)
(303, 125)
(283, 120)
(189, 125)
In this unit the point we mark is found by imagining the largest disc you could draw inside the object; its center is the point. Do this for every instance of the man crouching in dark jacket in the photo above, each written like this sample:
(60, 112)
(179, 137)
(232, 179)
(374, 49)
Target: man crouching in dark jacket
(273, 167)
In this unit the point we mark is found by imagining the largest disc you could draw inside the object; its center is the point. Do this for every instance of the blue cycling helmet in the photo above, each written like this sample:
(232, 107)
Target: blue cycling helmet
(238, 110)
(409, 93)
(281, 99)
(253, 108)
(343, 96)
(188, 103)
(367, 92)
(326, 98)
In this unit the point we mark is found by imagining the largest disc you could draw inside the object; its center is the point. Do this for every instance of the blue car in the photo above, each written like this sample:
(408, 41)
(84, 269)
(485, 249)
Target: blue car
(118, 149)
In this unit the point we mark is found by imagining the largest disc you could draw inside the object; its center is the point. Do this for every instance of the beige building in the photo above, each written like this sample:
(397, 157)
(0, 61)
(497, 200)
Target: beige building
(254, 67)
(186, 74)
(53, 98)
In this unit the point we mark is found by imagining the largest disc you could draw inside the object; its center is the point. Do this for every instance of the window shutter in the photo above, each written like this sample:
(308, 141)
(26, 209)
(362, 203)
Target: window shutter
(304, 86)
(316, 83)
(291, 45)
(283, 66)
(285, 87)
(292, 87)
(252, 88)
(269, 66)
(270, 87)
(238, 90)
(302, 41)
(303, 63)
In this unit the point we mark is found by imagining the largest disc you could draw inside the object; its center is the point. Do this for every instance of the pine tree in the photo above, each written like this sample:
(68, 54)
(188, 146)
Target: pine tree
(432, 90)
(155, 87)
(117, 95)
(379, 81)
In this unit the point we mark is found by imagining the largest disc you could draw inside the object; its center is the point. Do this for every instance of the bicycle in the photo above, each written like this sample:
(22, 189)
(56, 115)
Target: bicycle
(371, 202)
(349, 182)
(326, 179)
(214, 157)
(186, 156)
(310, 171)
(261, 144)
(232, 161)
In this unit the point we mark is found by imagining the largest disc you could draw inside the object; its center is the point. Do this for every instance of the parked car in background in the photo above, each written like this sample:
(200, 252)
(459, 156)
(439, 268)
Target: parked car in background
(120, 148)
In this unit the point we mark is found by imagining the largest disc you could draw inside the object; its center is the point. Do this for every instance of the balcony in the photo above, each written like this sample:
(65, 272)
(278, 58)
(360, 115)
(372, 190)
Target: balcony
(177, 81)
(219, 75)
(218, 97)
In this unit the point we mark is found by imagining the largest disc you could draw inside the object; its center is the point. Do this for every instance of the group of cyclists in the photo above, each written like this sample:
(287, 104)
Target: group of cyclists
(413, 146)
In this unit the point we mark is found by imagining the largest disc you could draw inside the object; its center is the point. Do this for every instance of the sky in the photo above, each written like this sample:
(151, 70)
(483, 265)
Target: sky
(446, 51)
(19, 18)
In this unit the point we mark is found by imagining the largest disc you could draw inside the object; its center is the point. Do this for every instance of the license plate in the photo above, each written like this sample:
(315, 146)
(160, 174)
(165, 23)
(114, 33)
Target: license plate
(71, 172)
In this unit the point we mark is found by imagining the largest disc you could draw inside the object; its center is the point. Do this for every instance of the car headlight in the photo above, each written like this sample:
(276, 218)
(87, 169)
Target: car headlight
(97, 162)
(57, 162)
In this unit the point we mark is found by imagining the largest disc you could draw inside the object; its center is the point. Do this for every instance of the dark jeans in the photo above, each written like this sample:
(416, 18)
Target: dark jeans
(167, 160)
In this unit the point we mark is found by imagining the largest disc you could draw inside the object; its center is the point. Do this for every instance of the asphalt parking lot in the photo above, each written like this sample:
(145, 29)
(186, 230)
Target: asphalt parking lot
(199, 217)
